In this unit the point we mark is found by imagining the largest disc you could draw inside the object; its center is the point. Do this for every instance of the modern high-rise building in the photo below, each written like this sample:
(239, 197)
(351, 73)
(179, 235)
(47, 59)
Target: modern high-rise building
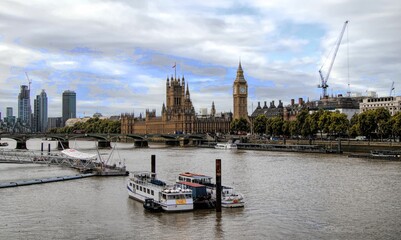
(24, 107)
(40, 112)
(69, 105)
(9, 119)
(54, 122)
(9, 112)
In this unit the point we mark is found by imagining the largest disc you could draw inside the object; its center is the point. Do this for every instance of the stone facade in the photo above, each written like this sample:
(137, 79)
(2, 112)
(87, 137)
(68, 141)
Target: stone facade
(393, 104)
(177, 116)
(240, 95)
(269, 112)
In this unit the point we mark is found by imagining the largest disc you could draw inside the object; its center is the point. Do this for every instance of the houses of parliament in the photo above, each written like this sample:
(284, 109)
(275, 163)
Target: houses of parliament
(178, 114)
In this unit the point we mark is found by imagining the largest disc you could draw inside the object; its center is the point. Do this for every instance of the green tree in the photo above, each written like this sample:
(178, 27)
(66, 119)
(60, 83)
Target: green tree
(240, 125)
(294, 128)
(354, 126)
(287, 128)
(367, 123)
(338, 123)
(93, 125)
(396, 125)
(259, 125)
(324, 122)
(302, 124)
(382, 117)
(277, 126)
(314, 121)
(269, 126)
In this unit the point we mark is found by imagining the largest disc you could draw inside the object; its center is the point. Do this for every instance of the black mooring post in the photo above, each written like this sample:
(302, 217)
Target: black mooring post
(48, 148)
(41, 148)
(153, 164)
(218, 185)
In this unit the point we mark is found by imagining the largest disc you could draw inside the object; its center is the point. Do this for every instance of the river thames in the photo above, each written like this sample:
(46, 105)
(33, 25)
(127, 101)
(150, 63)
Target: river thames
(288, 196)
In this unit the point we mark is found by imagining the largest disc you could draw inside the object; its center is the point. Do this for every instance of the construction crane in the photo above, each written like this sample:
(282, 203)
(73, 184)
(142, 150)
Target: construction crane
(29, 80)
(323, 79)
(392, 88)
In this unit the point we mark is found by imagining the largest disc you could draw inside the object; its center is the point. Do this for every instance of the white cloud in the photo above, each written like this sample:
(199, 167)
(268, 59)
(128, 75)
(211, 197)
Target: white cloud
(122, 51)
(63, 65)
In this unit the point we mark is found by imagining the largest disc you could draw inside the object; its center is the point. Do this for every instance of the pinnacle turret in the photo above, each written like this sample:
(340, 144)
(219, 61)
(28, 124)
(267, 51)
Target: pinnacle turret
(240, 74)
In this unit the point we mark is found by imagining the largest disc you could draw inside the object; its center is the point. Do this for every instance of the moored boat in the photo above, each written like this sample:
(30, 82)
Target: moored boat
(229, 197)
(152, 206)
(226, 146)
(171, 198)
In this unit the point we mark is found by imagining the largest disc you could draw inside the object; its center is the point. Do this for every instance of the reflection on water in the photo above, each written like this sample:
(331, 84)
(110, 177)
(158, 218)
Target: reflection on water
(288, 196)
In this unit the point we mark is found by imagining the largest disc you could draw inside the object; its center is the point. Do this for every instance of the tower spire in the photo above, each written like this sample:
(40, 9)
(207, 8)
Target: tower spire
(240, 74)
(187, 92)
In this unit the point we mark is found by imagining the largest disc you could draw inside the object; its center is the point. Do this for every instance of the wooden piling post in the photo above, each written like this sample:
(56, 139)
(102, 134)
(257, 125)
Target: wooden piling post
(153, 164)
(218, 185)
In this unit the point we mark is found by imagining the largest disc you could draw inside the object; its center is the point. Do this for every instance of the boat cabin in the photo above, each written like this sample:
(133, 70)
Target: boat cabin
(198, 190)
(194, 178)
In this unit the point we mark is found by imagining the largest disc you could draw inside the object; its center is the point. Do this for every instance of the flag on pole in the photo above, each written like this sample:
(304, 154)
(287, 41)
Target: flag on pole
(174, 65)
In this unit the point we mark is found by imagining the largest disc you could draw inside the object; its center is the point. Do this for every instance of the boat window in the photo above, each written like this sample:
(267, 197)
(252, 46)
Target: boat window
(152, 192)
(130, 184)
(137, 187)
(148, 191)
(140, 188)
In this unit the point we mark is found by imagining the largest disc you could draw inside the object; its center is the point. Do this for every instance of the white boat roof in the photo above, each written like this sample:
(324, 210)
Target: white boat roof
(79, 155)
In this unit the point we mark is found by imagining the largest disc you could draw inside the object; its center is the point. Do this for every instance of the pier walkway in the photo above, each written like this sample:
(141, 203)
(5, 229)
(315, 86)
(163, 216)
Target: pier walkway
(31, 157)
(87, 167)
(45, 180)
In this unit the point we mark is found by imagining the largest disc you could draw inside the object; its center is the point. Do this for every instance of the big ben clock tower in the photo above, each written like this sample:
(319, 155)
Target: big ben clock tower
(240, 95)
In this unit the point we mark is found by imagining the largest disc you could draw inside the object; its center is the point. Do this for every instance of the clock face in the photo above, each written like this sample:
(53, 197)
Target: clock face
(242, 89)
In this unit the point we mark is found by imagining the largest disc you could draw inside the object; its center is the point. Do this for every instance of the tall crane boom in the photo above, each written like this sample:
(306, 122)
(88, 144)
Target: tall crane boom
(324, 80)
(392, 88)
(29, 80)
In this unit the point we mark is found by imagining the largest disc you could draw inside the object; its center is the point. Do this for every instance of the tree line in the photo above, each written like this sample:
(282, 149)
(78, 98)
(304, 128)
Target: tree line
(93, 125)
(376, 123)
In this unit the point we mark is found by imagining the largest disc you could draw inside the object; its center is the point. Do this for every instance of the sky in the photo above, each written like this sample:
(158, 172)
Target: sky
(117, 54)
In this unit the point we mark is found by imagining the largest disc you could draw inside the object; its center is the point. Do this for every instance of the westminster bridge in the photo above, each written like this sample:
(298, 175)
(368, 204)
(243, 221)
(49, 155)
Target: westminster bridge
(105, 139)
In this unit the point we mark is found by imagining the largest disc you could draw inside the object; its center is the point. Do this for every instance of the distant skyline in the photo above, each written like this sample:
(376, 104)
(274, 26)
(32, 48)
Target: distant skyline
(116, 55)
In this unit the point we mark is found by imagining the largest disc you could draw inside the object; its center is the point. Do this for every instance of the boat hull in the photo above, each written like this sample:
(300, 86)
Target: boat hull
(232, 204)
(170, 205)
(152, 206)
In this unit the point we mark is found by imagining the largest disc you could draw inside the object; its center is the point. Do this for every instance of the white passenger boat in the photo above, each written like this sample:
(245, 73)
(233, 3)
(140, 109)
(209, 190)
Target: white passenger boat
(226, 146)
(171, 198)
(229, 197)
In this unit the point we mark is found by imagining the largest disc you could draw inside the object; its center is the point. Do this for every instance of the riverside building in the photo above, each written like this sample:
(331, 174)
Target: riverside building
(69, 105)
(178, 114)
(24, 108)
(40, 120)
(393, 104)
